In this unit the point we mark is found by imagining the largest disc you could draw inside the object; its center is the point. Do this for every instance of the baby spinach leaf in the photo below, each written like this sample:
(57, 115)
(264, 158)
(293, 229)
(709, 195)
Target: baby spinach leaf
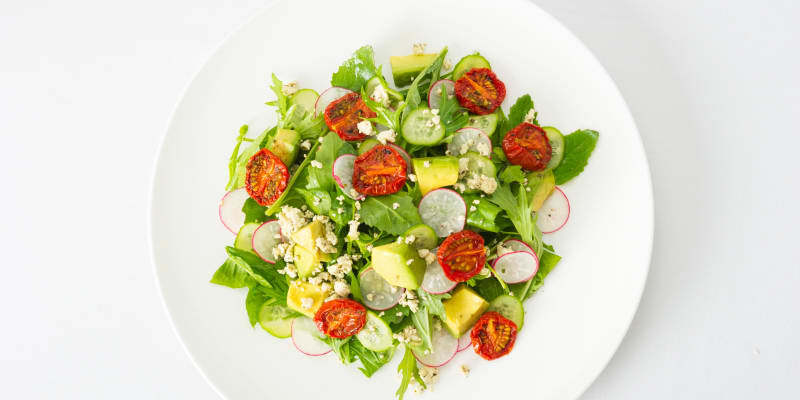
(578, 146)
(231, 275)
(380, 212)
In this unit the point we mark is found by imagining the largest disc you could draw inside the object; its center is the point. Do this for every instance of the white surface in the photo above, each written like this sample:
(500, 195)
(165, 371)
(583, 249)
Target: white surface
(89, 84)
(588, 303)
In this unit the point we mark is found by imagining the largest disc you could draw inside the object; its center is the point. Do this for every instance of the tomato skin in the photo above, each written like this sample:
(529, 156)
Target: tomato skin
(340, 318)
(462, 255)
(527, 145)
(344, 113)
(479, 91)
(266, 177)
(493, 336)
(379, 171)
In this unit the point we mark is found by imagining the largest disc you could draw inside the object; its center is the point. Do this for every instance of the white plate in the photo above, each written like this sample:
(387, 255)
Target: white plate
(574, 324)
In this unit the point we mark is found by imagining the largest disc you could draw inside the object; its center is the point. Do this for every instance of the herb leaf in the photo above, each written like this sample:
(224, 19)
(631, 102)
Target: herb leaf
(413, 98)
(231, 275)
(256, 297)
(512, 173)
(452, 115)
(578, 146)
(356, 71)
(516, 115)
(371, 361)
(408, 368)
(379, 212)
(253, 212)
(433, 303)
(422, 321)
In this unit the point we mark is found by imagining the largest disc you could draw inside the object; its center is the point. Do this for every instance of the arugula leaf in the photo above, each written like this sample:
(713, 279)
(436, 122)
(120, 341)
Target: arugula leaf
(516, 115)
(332, 147)
(379, 212)
(281, 100)
(408, 368)
(231, 275)
(262, 272)
(518, 209)
(422, 321)
(355, 287)
(413, 98)
(235, 156)
(433, 303)
(485, 214)
(452, 115)
(253, 212)
(386, 116)
(512, 173)
(371, 361)
(395, 315)
(341, 347)
(244, 157)
(256, 297)
(578, 146)
(547, 263)
(356, 71)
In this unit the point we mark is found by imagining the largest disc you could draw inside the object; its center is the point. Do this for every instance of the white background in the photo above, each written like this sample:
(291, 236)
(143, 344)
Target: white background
(86, 89)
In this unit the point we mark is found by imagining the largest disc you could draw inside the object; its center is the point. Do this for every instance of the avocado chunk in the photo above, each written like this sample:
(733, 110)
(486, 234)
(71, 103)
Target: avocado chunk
(305, 298)
(307, 255)
(399, 264)
(406, 68)
(307, 236)
(541, 184)
(305, 260)
(463, 309)
(285, 145)
(435, 172)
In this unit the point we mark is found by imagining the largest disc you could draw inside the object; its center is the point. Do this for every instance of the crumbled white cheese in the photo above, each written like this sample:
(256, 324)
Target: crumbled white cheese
(340, 198)
(472, 208)
(476, 202)
(409, 261)
(436, 119)
(395, 205)
(365, 127)
(352, 234)
(482, 182)
(429, 375)
(419, 48)
(290, 220)
(280, 249)
(388, 135)
(435, 111)
(321, 139)
(379, 94)
(426, 164)
(354, 193)
(409, 334)
(410, 239)
(289, 88)
(340, 210)
(341, 267)
(530, 116)
(290, 270)
(316, 164)
(460, 187)
(370, 296)
(320, 278)
(465, 370)
(306, 302)
(410, 300)
(341, 288)
(306, 145)
(463, 166)
(447, 64)
(412, 177)
(483, 149)
(324, 245)
(358, 205)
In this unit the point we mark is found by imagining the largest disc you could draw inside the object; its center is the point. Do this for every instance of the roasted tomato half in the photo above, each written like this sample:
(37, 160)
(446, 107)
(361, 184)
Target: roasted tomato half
(344, 113)
(340, 318)
(379, 171)
(462, 255)
(493, 335)
(527, 146)
(266, 177)
(479, 91)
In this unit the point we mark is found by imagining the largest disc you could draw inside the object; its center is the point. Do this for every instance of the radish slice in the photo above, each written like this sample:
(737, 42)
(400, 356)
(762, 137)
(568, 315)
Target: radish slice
(554, 213)
(516, 267)
(327, 97)
(445, 347)
(376, 293)
(514, 245)
(470, 139)
(435, 92)
(465, 341)
(265, 238)
(307, 338)
(444, 210)
(435, 282)
(230, 209)
(343, 175)
(404, 154)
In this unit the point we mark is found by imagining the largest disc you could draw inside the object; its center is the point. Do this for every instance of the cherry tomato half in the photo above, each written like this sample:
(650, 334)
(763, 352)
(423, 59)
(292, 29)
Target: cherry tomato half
(340, 318)
(493, 336)
(266, 177)
(344, 113)
(527, 146)
(479, 91)
(379, 171)
(462, 255)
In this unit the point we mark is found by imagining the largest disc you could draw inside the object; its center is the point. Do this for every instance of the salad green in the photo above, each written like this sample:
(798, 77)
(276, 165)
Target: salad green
(371, 217)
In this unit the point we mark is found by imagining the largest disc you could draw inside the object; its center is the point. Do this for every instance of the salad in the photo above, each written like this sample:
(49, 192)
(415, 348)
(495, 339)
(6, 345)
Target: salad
(374, 219)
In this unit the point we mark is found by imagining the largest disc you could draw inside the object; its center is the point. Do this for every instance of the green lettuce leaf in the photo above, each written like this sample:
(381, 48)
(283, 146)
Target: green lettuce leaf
(356, 71)
(231, 275)
(263, 273)
(484, 216)
(578, 146)
(256, 297)
(379, 212)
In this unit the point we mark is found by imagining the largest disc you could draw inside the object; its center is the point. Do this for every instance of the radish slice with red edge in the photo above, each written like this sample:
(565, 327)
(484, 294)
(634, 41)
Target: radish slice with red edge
(514, 245)
(230, 209)
(444, 210)
(435, 281)
(307, 338)
(265, 238)
(516, 267)
(376, 293)
(554, 213)
(435, 92)
(445, 347)
(343, 175)
(465, 341)
(404, 154)
(327, 97)
(470, 139)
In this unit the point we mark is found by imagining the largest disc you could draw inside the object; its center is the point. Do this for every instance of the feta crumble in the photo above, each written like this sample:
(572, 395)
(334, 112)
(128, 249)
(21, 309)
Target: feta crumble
(341, 288)
(379, 94)
(289, 88)
(316, 164)
(409, 299)
(365, 127)
(388, 135)
(419, 48)
(395, 206)
(530, 116)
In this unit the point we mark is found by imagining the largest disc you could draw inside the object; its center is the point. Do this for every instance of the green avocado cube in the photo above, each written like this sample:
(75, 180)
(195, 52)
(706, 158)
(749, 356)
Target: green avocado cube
(399, 264)
(463, 309)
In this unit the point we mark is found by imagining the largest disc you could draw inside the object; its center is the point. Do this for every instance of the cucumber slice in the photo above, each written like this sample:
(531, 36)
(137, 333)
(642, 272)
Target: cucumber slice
(475, 165)
(469, 62)
(470, 139)
(305, 99)
(557, 144)
(244, 239)
(425, 236)
(376, 334)
(509, 307)
(367, 145)
(277, 320)
(487, 123)
(419, 128)
(394, 96)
